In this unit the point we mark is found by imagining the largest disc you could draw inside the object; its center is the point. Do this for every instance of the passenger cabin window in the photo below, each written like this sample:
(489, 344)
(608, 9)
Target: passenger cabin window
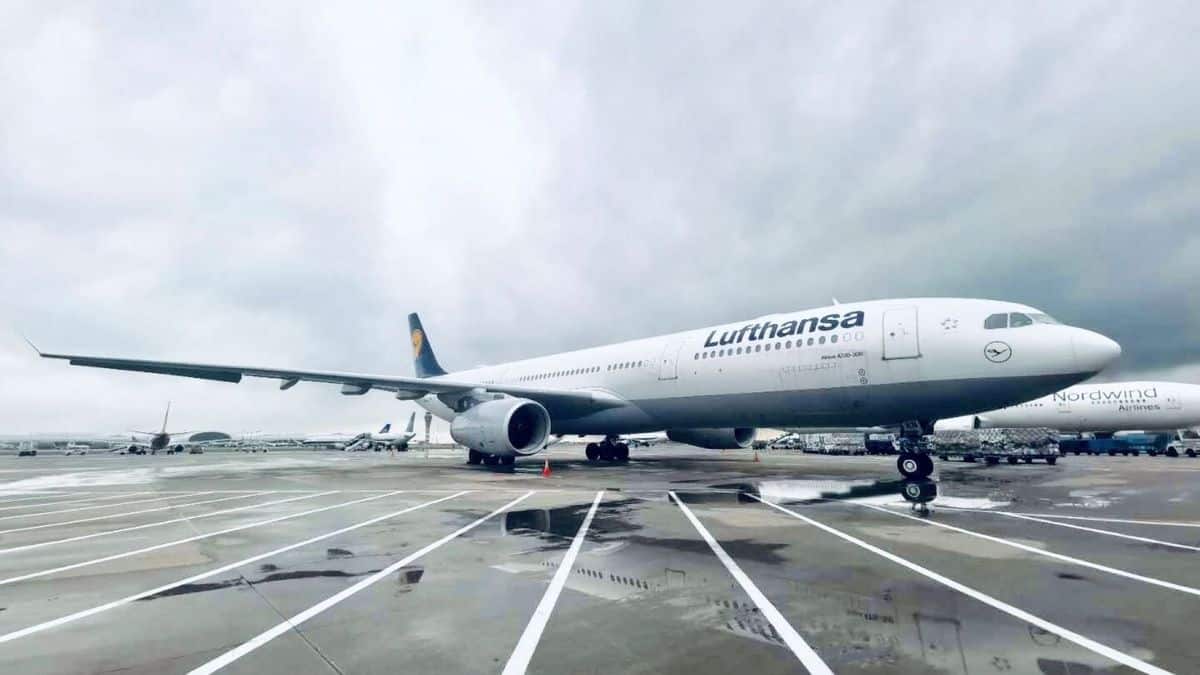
(1017, 320)
(996, 321)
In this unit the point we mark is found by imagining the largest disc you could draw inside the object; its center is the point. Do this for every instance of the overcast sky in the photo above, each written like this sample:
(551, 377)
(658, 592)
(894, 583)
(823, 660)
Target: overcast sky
(280, 184)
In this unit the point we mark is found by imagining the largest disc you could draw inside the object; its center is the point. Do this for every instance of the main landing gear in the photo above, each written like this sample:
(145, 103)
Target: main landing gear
(476, 457)
(608, 450)
(914, 460)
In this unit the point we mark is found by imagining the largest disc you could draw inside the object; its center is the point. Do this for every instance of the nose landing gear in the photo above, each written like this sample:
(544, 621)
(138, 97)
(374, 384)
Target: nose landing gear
(914, 465)
(914, 460)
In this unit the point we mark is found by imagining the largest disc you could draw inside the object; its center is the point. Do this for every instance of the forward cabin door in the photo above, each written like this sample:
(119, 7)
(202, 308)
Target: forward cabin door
(668, 361)
(900, 334)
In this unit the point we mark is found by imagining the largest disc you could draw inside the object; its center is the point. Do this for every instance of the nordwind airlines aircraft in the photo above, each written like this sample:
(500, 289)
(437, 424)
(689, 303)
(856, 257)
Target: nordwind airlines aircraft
(1101, 407)
(906, 362)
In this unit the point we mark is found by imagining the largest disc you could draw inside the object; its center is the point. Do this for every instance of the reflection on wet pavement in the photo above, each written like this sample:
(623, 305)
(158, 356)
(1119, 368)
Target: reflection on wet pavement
(646, 592)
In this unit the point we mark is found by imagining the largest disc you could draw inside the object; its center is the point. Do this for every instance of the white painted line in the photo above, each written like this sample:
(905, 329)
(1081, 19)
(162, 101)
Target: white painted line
(28, 497)
(122, 514)
(799, 647)
(294, 622)
(105, 506)
(224, 568)
(519, 660)
(1042, 552)
(1096, 519)
(1085, 642)
(74, 501)
(158, 523)
(1109, 533)
(206, 535)
(93, 499)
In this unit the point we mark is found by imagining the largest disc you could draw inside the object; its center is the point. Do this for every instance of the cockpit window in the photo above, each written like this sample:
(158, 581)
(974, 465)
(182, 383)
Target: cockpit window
(1189, 434)
(996, 321)
(1017, 319)
(1044, 318)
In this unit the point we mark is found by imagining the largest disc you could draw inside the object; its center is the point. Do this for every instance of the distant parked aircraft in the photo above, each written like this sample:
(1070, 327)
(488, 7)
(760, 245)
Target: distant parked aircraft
(384, 439)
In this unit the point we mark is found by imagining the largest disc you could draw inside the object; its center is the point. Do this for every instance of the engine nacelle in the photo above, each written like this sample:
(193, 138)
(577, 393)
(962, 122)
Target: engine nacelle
(714, 439)
(505, 426)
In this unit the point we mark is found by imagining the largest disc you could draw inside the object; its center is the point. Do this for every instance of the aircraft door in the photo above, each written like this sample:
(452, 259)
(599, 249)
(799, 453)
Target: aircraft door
(668, 361)
(900, 334)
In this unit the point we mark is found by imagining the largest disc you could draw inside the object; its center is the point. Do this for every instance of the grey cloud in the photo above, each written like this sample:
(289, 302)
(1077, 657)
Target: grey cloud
(283, 184)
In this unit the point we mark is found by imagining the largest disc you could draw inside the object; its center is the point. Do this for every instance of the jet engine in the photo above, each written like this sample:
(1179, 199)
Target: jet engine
(714, 439)
(504, 427)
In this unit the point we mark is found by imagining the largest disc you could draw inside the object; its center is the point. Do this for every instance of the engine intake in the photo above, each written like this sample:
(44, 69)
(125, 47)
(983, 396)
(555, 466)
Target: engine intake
(506, 426)
(714, 439)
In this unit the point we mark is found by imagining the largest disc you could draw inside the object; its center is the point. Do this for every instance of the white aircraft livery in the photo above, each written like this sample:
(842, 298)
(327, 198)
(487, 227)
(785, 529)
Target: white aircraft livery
(385, 438)
(1105, 407)
(906, 362)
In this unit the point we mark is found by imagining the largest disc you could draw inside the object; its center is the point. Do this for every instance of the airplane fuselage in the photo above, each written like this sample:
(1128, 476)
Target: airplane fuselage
(854, 364)
(1101, 407)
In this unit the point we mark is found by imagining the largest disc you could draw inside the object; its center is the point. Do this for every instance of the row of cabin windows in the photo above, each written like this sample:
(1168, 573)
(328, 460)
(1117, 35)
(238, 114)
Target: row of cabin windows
(732, 351)
(1016, 320)
(580, 371)
(559, 373)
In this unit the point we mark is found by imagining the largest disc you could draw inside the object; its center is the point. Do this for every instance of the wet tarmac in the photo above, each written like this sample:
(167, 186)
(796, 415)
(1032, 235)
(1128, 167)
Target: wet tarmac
(681, 561)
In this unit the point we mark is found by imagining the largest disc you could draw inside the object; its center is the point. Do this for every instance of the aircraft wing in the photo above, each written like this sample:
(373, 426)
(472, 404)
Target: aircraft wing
(561, 403)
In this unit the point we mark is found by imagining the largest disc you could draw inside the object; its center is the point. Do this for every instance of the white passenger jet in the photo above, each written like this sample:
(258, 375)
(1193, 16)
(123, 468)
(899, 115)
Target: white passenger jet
(904, 362)
(1102, 407)
(385, 438)
(157, 440)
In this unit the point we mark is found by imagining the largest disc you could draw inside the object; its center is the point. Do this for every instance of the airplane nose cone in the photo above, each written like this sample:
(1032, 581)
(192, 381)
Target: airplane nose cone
(1093, 351)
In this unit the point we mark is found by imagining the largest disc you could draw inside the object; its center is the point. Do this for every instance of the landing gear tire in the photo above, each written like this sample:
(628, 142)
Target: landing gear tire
(914, 465)
(1011, 460)
(592, 452)
(508, 460)
(491, 460)
(474, 457)
(620, 453)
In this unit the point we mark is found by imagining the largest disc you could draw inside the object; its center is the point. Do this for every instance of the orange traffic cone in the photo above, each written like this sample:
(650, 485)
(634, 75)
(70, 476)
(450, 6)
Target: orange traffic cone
(546, 468)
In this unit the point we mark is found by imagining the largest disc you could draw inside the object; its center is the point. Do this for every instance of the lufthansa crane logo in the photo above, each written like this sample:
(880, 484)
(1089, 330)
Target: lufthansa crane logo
(418, 338)
(997, 352)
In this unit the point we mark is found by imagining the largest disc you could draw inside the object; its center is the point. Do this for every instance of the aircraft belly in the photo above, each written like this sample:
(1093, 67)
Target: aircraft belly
(877, 404)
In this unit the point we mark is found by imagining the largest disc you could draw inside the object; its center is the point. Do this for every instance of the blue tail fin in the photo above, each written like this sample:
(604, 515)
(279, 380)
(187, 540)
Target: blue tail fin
(386, 428)
(424, 362)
